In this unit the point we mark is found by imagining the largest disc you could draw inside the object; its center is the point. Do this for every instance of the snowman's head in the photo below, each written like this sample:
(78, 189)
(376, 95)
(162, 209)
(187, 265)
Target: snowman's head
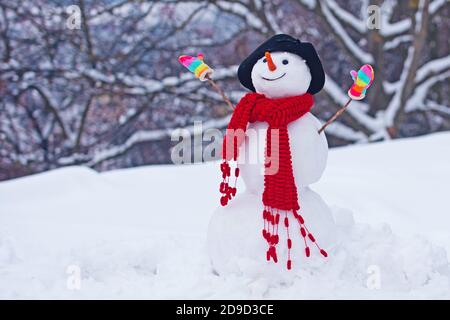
(281, 74)
(282, 66)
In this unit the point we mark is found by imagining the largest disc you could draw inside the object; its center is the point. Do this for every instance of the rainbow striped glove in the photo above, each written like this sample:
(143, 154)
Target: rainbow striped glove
(197, 66)
(362, 81)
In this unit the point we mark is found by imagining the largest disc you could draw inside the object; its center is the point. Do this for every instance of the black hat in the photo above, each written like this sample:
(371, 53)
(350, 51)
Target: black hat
(284, 43)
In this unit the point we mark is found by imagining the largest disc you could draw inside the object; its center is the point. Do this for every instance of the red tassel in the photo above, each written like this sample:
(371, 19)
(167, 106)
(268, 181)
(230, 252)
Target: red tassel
(289, 243)
(311, 237)
(272, 240)
(236, 172)
(307, 251)
(324, 253)
(276, 239)
(224, 200)
(286, 222)
(303, 232)
(289, 264)
(272, 253)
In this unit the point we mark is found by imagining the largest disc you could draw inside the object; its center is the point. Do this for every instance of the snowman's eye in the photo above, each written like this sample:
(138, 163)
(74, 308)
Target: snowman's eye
(285, 61)
(264, 60)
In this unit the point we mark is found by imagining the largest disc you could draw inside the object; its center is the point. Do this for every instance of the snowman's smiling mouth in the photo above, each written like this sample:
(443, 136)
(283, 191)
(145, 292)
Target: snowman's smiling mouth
(275, 78)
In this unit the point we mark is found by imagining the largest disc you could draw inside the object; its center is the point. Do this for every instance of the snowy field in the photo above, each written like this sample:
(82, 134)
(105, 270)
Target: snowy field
(141, 233)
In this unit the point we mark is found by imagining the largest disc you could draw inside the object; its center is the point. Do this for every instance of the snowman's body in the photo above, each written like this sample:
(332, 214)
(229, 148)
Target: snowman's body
(309, 153)
(234, 237)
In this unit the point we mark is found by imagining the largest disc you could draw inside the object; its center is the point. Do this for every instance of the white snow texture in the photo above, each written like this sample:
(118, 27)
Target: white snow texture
(141, 233)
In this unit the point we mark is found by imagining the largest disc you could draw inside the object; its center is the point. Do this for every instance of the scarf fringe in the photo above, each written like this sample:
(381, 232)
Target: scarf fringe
(228, 192)
(270, 234)
(271, 217)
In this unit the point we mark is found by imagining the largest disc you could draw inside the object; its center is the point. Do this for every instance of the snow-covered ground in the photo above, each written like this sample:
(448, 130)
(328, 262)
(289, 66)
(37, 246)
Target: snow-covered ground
(141, 233)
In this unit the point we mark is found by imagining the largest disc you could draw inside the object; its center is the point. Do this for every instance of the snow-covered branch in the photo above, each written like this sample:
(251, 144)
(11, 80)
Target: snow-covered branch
(310, 4)
(347, 18)
(437, 5)
(342, 131)
(432, 68)
(138, 85)
(434, 106)
(417, 99)
(404, 26)
(395, 103)
(398, 28)
(355, 51)
(395, 42)
(271, 19)
(241, 10)
(143, 136)
(50, 105)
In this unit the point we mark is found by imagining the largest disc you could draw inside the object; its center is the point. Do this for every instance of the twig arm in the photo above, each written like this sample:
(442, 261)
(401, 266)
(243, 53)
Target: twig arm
(220, 91)
(335, 116)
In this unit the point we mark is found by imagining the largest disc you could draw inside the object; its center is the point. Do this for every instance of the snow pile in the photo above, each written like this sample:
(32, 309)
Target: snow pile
(365, 262)
(141, 233)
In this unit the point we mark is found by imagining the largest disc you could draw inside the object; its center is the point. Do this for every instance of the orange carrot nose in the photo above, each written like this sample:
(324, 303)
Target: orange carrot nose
(270, 64)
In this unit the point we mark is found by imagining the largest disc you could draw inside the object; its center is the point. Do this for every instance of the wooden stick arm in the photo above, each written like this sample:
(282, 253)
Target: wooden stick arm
(335, 116)
(220, 91)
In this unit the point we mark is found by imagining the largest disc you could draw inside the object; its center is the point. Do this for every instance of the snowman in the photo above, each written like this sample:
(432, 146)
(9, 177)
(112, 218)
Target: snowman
(278, 218)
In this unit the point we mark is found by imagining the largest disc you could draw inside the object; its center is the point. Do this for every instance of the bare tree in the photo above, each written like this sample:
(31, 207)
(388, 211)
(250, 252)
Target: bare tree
(108, 94)
(402, 87)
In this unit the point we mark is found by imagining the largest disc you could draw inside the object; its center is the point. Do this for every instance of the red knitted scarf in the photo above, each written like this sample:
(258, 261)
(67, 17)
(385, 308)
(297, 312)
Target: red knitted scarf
(280, 192)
